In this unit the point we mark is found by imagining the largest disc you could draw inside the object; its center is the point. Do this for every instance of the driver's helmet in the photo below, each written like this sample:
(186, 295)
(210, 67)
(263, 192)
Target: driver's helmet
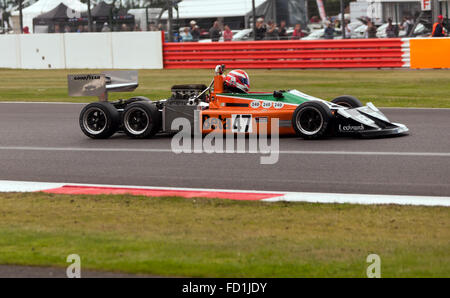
(238, 79)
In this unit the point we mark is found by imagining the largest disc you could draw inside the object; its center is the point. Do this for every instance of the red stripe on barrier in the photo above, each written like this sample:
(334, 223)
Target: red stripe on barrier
(286, 54)
(97, 190)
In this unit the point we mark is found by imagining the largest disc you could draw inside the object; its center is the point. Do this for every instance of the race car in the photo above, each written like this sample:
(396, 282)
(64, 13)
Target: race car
(223, 107)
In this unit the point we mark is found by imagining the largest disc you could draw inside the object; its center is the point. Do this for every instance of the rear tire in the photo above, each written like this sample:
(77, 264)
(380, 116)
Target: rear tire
(141, 120)
(347, 101)
(99, 120)
(311, 120)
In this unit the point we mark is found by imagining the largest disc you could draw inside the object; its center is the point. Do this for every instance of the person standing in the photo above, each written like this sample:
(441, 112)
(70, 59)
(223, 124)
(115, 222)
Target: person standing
(371, 31)
(215, 32)
(105, 27)
(186, 35)
(227, 34)
(272, 31)
(260, 29)
(195, 31)
(282, 32)
(438, 28)
(348, 30)
(406, 25)
(390, 30)
(329, 31)
(298, 33)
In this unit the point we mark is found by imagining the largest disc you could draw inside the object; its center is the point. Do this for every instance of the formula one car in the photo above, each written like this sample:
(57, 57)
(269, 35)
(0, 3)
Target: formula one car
(219, 107)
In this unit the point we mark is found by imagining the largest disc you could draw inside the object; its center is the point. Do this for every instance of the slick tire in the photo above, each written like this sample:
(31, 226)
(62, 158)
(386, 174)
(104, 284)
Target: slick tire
(347, 101)
(141, 120)
(311, 120)
(99, 120)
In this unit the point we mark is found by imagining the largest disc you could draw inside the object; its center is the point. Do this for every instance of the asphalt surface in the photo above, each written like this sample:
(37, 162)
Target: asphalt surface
(43, 142)
(13, 271)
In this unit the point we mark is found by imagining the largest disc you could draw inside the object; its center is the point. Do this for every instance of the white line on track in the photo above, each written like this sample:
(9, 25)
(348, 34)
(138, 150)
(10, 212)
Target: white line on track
(286, 152)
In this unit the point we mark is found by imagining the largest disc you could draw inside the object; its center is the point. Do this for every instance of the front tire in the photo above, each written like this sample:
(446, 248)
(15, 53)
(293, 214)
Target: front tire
(141, 120)
(99, 120)
(347, 101)
(311, 120)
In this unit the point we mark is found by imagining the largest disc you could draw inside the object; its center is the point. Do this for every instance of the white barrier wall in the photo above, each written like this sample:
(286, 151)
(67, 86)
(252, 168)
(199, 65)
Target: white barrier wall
(88, 50)
(137, 50)
(9, 51)
(42, 51)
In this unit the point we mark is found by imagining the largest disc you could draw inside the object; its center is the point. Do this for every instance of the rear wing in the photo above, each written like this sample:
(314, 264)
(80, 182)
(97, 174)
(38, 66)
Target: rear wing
(100, 84)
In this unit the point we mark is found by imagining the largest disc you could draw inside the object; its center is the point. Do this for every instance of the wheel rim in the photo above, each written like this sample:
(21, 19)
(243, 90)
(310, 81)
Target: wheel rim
(95, 121)
(309, 121)
(136, 121)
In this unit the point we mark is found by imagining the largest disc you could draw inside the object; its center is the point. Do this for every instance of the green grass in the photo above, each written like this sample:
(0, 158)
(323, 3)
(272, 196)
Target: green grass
(385, 88)
(222, 238)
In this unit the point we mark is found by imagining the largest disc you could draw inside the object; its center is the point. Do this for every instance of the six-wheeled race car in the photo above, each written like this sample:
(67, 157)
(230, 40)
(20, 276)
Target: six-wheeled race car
(225, 105)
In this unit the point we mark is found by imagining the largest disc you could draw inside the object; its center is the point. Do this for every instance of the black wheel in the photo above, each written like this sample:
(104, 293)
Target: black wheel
(311, 120)
(99, 120)
(141, 120)
(347, 101)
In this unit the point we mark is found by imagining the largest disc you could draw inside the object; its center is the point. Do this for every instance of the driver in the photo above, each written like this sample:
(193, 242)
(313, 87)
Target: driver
(237, 81)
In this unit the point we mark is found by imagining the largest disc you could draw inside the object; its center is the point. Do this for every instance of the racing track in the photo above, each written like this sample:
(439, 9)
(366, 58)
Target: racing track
(43, 142)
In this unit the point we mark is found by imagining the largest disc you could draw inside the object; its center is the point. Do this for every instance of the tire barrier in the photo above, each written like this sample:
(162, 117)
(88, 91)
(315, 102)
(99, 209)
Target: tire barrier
(348, 53)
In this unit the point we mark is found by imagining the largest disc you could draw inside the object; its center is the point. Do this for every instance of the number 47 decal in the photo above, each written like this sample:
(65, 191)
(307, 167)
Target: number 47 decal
(241, 123)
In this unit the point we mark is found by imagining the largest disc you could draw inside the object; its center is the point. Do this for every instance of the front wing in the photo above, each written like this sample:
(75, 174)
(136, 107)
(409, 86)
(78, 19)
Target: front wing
(367, 121)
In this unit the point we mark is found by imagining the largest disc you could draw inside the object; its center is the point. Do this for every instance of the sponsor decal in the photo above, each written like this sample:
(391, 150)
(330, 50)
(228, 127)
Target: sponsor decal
(267, 104)
(255, 104)
(278, 105)
(86, 77)
(351, 127)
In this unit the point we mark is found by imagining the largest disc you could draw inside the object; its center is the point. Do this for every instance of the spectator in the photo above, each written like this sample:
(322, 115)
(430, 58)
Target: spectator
(214, 32)
(195, 31)
(406, 25)
(438, 27)
(67, 29)
(260, 29)
(186, 35)
(371, 31)
(282, 32)
(348, 30)
(314, 19)
(227, 34)
(26, 30)
(106, 28)
(124, 27)
(80, 29)
(152, 27)
(272, 31)
(390, 30)
(137, 27)
(329, 31)
(337, 24)
(298, 33)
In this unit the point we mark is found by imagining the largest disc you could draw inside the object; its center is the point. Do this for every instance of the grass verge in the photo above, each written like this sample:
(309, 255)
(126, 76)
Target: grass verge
(385, 88)
(223, 238)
